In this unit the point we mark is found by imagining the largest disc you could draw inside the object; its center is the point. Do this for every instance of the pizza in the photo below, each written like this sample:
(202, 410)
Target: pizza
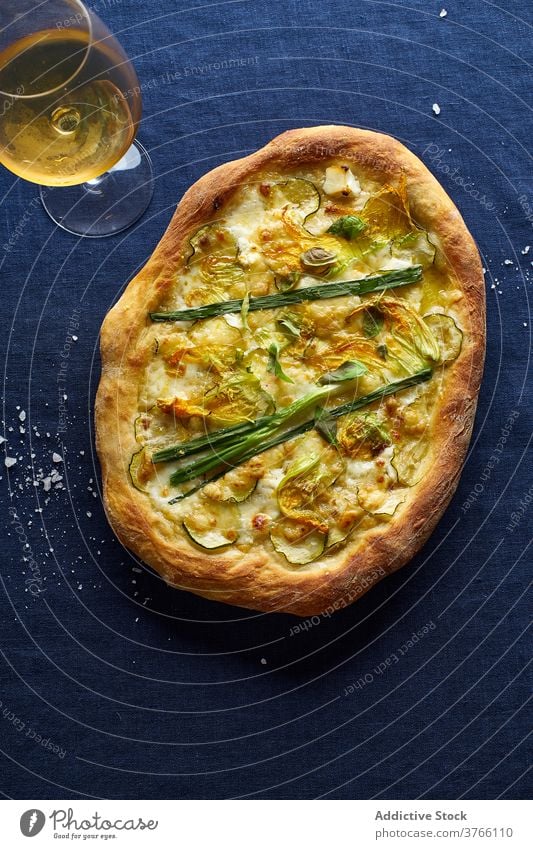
(289, 385)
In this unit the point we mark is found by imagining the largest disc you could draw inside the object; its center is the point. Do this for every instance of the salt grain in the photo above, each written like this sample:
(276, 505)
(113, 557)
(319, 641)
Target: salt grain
(10, 461)
(436, 108)
(57, 458)
(443, 13)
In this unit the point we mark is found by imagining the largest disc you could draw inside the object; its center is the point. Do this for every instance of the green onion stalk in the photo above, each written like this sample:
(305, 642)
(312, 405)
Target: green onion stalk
(232, 447)
(378, 282)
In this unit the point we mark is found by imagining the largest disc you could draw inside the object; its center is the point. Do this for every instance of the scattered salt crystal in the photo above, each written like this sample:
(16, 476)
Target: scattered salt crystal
(47, 483)
(57, 458)
(525, 323)
(443, 13)
(10, 461)
(436, 108)
(74, 338)
(508, 262)
(22, 415)
(263, 661)
(2, 439)
(526, 250)
(89, 514)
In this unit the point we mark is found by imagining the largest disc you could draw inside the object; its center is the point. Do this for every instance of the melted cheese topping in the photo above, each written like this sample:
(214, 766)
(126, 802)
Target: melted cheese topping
(254, 247)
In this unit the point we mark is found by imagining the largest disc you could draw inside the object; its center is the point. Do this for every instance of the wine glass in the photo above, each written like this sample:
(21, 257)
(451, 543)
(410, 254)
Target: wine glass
(70, 106)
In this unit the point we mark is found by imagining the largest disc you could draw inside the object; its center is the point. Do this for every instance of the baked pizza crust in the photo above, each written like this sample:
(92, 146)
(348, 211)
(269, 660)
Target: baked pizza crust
(255, 579)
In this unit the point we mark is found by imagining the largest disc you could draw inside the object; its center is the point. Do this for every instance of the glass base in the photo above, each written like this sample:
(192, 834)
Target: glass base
(107, 205)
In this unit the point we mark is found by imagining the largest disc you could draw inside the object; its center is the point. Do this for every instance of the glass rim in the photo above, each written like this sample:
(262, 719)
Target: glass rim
(88, 18)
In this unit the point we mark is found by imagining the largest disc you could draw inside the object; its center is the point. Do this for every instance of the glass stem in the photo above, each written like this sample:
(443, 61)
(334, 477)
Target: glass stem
(94, 186)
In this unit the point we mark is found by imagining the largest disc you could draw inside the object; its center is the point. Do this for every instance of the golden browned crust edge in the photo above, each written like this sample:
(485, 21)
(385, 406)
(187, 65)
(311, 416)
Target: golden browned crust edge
(253, 580)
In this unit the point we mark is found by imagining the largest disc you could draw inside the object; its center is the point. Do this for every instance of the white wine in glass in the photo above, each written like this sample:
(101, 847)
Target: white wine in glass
(69, 111)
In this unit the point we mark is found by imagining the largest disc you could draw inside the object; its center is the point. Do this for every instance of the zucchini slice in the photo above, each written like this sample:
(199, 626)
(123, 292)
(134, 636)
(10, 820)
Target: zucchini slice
(213, 525)
(141, 426)
(141, 469)
(388, 507)
(337, 536)
(298, 544)
(301, 193)
(214, 251)
(209, 539)
(415, 246)
(449, 337)
(407, 460)
(212, 239)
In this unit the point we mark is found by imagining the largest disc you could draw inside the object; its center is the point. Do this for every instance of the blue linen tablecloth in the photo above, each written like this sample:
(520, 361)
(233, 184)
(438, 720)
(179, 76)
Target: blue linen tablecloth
(115, 687)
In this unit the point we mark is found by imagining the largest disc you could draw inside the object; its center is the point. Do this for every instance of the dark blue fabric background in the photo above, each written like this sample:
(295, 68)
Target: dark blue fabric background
(151, 693)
